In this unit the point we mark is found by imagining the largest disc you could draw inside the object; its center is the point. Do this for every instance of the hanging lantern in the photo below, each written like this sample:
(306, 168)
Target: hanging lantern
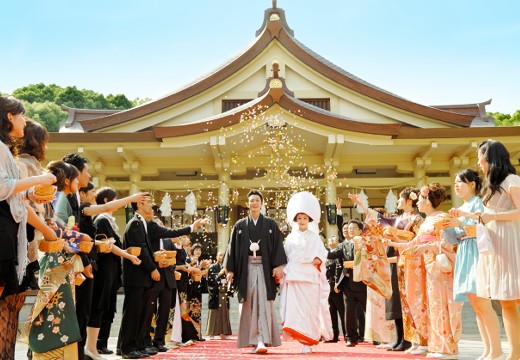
(331, 214)
(166, 205)
(190, 207)
(364, 200)
(391, 202)
(222, 214)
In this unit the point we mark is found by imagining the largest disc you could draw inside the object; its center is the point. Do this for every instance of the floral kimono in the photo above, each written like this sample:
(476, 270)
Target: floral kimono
(437, 318)
(52, 327)
(370, 262)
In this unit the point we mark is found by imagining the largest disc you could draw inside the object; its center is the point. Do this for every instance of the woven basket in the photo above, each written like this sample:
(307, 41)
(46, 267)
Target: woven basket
(196, 277)
(170, 254)
(44, 192)
(134, 250)
(85, 246)
(471, 230)
(405, 235)
(78, 280)
(103, 246)
(178, 275)
(167, 263)
(159, 256)
(49, 246)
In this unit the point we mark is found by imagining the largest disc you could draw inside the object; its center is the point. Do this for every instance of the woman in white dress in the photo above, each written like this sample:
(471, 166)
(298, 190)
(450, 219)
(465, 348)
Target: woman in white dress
(499, 273)
(304, 307)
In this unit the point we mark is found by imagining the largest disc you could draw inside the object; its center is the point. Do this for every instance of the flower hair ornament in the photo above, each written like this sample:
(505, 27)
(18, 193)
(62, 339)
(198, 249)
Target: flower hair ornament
(412, 196)
(424, 191)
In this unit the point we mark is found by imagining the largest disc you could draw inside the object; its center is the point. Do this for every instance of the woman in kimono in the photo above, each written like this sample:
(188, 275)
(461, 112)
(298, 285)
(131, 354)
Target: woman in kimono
(437, 318)
(304, 292)
(54, 328)
(467, 185)
(195, 288)
(218, 302)
(184, 331)
(396, 308)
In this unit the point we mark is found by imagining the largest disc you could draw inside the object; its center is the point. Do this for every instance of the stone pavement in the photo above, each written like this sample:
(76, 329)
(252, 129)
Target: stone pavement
(470, 346)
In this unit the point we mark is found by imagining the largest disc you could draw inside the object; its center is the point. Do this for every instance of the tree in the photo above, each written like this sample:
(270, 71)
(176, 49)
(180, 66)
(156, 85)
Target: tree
(43, 102)
(46, 113)
(506, 119)
(119, 101)
(72, 97)
(38, 93)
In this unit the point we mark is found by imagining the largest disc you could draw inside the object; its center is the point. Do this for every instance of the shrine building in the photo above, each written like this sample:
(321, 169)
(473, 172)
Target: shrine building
(280, 118)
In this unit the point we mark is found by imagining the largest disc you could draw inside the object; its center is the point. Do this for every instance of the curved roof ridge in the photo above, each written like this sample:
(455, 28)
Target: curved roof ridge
(341, 70)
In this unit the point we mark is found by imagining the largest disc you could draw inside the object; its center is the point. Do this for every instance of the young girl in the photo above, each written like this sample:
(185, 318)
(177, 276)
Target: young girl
(467, 185)
(304, 307)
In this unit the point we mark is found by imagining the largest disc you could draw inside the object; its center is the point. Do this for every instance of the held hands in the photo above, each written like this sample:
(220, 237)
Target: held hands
(278, 273)
(156, 276)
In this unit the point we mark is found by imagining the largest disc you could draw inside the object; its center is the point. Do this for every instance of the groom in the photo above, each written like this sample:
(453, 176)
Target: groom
(255, 253)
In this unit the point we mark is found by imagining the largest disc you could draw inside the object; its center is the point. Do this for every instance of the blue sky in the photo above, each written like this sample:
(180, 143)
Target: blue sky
(431, 52)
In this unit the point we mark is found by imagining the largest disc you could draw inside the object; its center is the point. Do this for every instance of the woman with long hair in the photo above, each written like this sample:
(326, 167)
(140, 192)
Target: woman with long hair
(13, 220)
(498, 273)
(467, 187)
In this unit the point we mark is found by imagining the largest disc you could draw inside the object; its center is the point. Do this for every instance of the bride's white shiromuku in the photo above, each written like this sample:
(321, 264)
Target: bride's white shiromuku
(304, 286)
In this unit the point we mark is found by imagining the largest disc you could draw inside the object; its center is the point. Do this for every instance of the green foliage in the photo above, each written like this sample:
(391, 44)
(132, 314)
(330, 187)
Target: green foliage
(71, 96)
(506, 119)
(43, 102)
(46, 113)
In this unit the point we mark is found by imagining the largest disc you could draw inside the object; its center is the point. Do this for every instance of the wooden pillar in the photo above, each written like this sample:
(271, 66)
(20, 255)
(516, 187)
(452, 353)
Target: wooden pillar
(330, 198)
(223, 199)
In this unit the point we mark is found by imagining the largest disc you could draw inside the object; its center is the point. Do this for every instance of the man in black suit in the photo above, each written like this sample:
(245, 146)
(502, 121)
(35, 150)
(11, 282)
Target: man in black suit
(336, 303)
(160, 299)
(355, 293)
(139, 280)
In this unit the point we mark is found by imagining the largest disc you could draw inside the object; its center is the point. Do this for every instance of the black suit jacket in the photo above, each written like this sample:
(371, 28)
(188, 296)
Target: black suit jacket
(136, 236)
(167, 273)
(157, 232)
(345, 251)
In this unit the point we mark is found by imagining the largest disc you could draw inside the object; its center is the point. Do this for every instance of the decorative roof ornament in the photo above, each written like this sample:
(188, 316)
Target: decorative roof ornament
(275, 68)
(274, 4)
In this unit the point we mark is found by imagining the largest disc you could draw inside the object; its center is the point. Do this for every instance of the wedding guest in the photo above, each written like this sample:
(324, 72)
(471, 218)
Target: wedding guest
(498, 273)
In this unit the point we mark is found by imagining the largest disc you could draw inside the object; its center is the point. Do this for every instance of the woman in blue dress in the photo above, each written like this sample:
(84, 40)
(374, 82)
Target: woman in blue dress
(467, 186)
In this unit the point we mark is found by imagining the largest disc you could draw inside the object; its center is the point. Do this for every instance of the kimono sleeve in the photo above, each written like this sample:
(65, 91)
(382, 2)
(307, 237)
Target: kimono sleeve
(229, 262)
(278, 256)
